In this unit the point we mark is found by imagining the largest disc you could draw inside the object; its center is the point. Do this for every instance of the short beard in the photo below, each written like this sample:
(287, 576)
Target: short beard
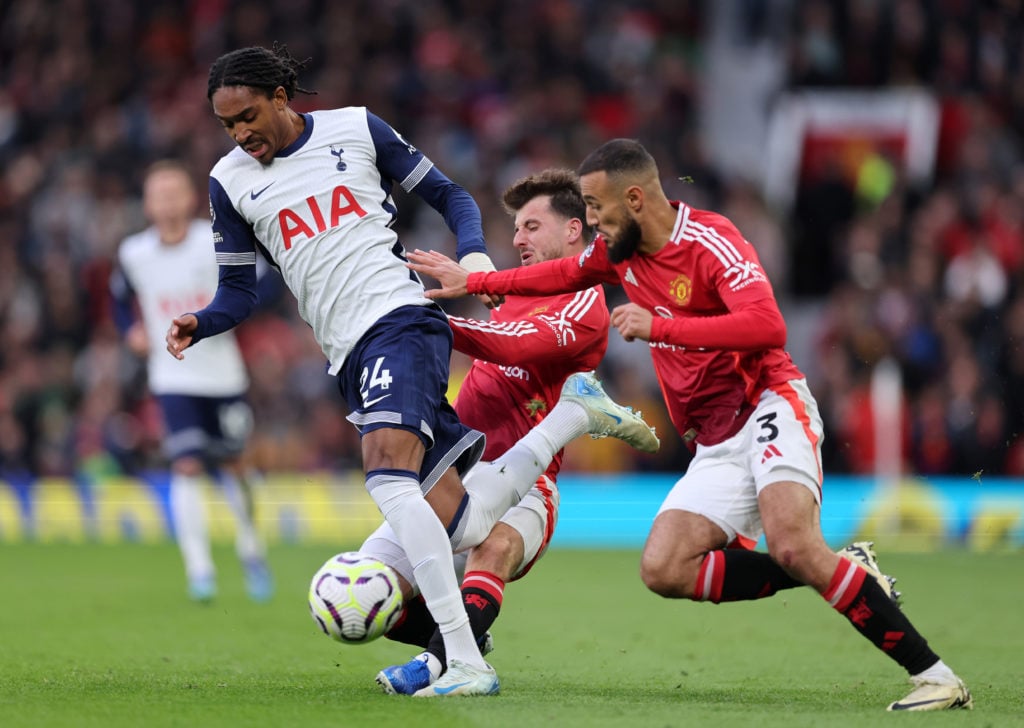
(626, 243)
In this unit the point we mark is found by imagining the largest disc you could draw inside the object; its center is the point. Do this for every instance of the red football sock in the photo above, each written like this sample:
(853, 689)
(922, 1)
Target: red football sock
(733, 575)
(482, 593)
(855, 594)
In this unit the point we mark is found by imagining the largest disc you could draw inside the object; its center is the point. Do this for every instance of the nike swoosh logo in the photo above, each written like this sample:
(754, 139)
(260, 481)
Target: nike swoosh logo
(371, 402)
(613, 416)
(446, 690)
(254, 194)
(908, 706)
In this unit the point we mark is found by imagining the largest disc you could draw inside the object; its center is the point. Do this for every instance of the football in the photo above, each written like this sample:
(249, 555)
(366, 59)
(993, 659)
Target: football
(355, 598)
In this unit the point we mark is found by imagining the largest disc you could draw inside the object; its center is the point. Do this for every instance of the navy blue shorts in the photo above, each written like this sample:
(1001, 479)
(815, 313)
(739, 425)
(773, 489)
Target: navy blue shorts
(211, 428)
(397, 375)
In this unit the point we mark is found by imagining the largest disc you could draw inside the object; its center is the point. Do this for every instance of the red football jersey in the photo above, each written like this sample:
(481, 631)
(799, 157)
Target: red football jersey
(523, 355)
(717, 335)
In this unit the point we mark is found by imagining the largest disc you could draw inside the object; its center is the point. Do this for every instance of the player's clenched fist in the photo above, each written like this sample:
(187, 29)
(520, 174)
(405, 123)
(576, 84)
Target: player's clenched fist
(179, 335)
(632, 321)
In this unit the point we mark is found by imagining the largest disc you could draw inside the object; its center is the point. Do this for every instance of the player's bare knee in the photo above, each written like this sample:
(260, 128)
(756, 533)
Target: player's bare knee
(654, 579)
(793, 555)
(665, 577)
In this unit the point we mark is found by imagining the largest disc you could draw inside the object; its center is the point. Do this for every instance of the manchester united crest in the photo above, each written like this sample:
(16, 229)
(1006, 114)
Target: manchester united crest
(681, 287)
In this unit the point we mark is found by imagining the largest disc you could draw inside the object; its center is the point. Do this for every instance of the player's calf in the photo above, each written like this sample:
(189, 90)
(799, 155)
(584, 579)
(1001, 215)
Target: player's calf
(862, 553)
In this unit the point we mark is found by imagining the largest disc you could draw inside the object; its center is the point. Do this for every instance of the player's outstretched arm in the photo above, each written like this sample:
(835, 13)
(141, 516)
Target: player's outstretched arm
(448, 273)
(481, 263)
(179, 335)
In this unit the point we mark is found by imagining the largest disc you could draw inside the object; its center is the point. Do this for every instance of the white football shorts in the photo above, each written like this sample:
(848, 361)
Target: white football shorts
(780, 442)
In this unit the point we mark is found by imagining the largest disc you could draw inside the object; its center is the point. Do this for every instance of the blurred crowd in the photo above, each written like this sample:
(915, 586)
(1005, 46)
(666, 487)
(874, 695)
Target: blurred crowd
(930, 276)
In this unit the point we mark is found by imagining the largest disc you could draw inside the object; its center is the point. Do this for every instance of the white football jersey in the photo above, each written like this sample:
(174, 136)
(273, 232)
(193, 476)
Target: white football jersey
(169, 280)
(322, 212)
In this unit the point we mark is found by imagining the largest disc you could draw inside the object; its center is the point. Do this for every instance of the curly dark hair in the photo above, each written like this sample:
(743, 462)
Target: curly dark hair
(260, 68)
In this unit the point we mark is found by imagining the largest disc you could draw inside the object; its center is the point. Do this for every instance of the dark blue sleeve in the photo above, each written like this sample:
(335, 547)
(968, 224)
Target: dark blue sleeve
(269, 285)
(235, 245)
(399, 160)
(123, 298)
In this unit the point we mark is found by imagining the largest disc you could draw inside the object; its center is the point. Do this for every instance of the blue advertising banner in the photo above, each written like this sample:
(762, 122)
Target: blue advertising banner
(913, 514)
(597, 510)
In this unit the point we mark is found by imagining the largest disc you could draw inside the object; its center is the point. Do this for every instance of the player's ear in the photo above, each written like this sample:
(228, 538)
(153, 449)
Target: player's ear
(575, 228)
(635, 197)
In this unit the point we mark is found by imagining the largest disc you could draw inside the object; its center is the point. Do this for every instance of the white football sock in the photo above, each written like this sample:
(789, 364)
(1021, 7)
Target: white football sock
(938, 673)
(397, 494)
(564, 423)
(238, 494)
(433, 664)
(188, 511)
(496, 486)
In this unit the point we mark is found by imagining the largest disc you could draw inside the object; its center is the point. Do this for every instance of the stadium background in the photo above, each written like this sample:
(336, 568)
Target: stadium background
(879, 257)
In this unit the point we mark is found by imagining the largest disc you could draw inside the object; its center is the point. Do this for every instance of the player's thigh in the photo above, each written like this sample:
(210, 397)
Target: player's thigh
(785, 433)
(791, 515)
(676, 543)
(395, 378)
(718, 488)
(785, 458)
(792, 523)
(209, 429)
(384, 546)
(392, 449)
(397, 373)
(234, 426)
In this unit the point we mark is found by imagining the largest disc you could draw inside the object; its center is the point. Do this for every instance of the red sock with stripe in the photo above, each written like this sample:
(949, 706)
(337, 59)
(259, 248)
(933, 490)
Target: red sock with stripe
(734, 575)
(855, 594)
(482, 593)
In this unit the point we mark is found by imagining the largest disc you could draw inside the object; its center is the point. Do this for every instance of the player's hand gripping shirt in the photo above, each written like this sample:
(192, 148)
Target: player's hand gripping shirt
(322, 213)
(523, 356)
(169, 279)
(717, 334)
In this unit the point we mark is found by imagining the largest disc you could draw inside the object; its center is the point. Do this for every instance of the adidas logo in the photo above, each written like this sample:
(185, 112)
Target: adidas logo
(891, 639)
(770, 452)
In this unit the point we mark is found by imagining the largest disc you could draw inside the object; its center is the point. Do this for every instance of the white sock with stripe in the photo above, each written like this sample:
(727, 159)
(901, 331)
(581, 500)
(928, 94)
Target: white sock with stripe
(397, 494)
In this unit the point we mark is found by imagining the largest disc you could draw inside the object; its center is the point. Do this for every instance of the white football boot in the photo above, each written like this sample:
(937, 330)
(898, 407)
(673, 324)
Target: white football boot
(933, 695)
(461, 678)
(607, 418)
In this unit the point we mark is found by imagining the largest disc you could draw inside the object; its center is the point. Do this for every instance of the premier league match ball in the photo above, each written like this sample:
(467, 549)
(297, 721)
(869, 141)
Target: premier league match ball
(355, 598)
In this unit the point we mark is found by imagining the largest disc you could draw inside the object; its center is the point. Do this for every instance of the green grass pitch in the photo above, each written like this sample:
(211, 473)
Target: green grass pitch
(94, 635)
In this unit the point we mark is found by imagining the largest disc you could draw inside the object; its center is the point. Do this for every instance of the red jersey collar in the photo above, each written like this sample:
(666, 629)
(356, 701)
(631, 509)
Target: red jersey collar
(681, 219)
